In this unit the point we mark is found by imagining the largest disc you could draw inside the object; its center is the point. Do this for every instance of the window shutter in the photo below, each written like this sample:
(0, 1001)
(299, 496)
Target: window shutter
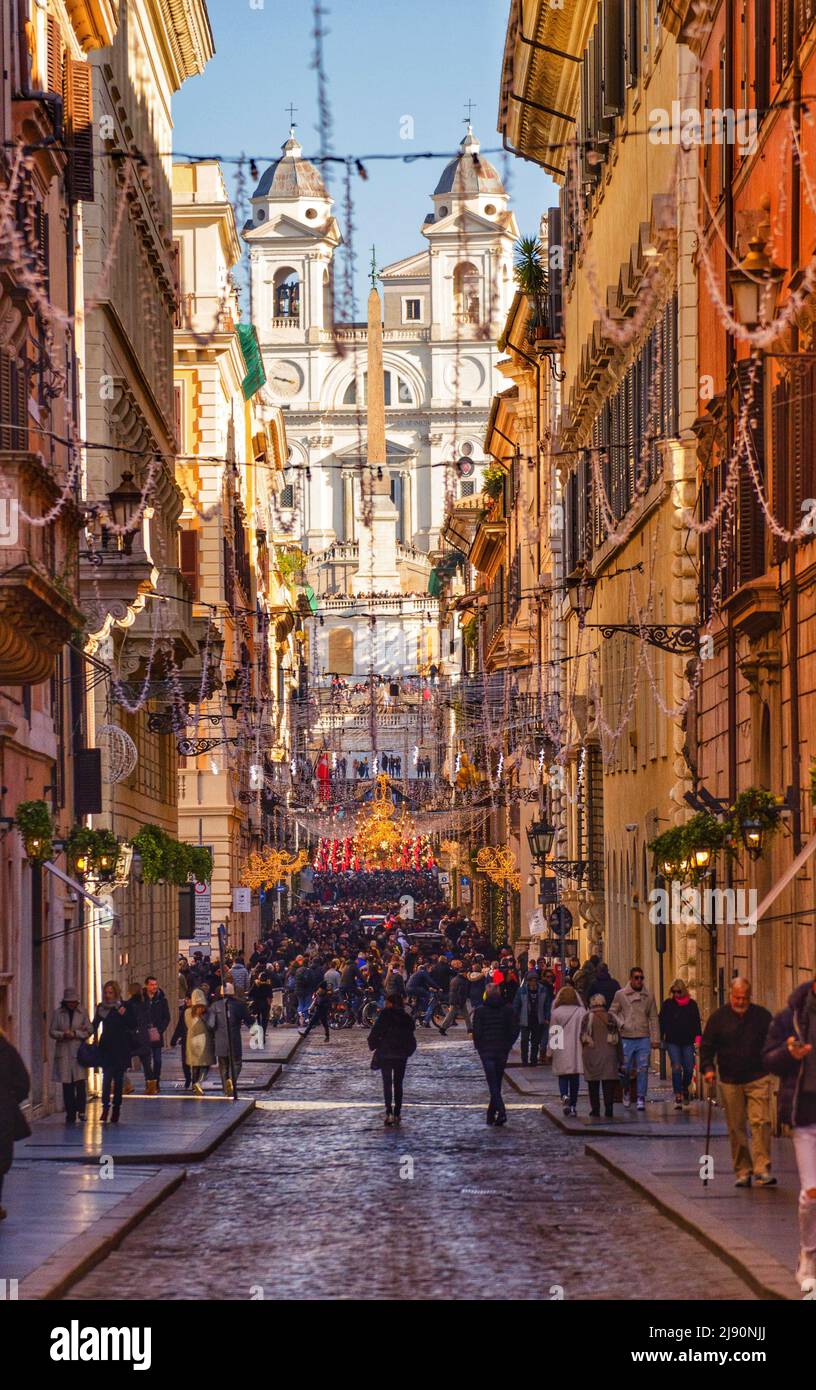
(762, 56)
(54, 57)
(780, 498)
(644, 442)
(612, 78)
(750, 519)
(6, 439)
(630, 42)
(555, 273)
(188, 558)
(79, 121)
(633, 435)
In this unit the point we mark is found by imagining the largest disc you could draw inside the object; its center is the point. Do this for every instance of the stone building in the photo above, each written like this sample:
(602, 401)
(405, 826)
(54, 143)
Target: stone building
(442, 310)
(129, 415)
(44, 89)
(623, 442)
(232, 452)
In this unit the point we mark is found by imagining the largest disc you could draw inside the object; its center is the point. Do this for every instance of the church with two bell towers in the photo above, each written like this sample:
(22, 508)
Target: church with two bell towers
(443, 309)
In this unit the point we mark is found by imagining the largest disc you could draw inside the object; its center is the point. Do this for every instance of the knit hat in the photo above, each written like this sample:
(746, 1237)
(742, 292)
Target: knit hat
(71, 992)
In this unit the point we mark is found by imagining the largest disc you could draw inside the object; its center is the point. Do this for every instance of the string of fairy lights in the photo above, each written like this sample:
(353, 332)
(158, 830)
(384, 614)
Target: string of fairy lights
(494, 730)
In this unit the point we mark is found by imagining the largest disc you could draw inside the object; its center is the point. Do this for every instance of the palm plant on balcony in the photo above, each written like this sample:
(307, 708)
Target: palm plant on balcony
(530, 274)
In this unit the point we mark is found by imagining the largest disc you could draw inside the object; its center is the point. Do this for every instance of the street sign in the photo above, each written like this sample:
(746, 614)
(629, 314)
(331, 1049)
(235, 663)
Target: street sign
(241, 899)
(552, 946)
(444, 879)
(202, 912)
(464, 892)
(535, 923)
(548, 891)
(464, 880)
(560, 921)
(406, 907)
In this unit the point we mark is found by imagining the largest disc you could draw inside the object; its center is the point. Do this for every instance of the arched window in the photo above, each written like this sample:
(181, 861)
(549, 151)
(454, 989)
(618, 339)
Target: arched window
(404, 393)
(286, 296)
(341, 651)
(350, 396)
(466, 293)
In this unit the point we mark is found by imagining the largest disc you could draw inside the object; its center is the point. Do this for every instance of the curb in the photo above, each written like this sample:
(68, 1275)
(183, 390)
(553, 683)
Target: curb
(208, 1140)
(766, 1275)
(68, 1264)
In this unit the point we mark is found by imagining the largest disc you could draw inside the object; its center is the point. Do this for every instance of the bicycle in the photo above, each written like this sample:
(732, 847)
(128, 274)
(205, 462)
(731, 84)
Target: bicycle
(418, 1008)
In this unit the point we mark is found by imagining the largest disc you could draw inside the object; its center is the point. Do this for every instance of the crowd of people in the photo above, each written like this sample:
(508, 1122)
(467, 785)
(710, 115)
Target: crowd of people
(349, 943)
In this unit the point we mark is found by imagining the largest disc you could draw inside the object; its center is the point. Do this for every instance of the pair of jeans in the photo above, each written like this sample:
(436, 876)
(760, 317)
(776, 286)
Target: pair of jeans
(494, 1072)
(318, 1017)
(393, 1075)
(112, 1080)
(804, 1146)
(152, 1062)
(682, 1066)
(530, 1043)
(568, 1085)
(637, 1054)
(73, 1098)
(594, 1088)
(304, 1003)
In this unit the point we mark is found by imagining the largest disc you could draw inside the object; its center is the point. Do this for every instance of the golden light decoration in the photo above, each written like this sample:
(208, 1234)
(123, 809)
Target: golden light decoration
(265, 870)
(499, 863)
(378, 834)
(453, 850)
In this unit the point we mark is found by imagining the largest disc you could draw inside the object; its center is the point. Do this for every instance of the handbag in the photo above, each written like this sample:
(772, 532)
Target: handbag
(154, 1034)
(376, 1062)
(21, 1129)
(88, 1054)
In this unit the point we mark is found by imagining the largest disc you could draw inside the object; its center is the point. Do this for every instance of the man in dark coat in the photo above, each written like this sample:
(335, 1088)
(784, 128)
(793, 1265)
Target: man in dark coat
(531, 1007)
(789, 1053)
(156, 1013)
(733, 1038)
(457, 998)
(605, 984)
(320, 1010)
(15, 1084)
(495, 1029)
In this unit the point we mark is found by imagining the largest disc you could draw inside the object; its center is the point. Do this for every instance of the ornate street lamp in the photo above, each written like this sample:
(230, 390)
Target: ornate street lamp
(125, 501)
(581, 591)
(540, 837)
(753, 835)
(755, 285)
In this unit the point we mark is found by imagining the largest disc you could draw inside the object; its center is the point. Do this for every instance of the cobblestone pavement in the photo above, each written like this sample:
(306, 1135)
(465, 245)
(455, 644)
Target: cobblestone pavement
(307, 1200)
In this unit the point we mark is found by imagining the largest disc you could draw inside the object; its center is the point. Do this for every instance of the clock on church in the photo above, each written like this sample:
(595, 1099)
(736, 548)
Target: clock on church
(285, 380)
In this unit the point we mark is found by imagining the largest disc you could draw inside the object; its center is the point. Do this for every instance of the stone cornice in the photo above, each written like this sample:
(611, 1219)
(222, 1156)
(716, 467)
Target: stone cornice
(185, 28)
(95, 22)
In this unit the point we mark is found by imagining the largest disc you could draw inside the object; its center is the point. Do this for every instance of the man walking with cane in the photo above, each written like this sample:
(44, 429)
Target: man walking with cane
(732, 1042)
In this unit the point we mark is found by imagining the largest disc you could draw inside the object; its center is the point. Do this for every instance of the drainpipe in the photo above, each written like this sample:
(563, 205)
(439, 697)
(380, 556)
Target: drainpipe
(793, 608)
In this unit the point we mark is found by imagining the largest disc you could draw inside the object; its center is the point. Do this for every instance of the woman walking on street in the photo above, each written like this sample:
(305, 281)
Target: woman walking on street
(117, 1023)
(199, 1044)
(15, 1084)
(680, 1030)
(564, 1046)
(70, 1025)
(495, 1029)
(602, 1056)
(392, 1041)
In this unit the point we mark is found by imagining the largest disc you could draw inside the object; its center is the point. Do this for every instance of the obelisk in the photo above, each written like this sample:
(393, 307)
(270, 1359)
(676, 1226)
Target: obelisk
(377, 525)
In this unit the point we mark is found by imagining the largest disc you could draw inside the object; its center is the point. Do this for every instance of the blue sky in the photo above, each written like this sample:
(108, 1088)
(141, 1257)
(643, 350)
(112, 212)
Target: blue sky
(385, 59)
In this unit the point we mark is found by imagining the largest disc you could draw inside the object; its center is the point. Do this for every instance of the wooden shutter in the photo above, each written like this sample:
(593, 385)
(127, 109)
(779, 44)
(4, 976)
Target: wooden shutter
(188, 558)
(750, 520)
(762, 56)
(554, 273)
(55, 57)
(6, 439)
(780, 488)
(79, 122)
(612, 74)
(631, 64)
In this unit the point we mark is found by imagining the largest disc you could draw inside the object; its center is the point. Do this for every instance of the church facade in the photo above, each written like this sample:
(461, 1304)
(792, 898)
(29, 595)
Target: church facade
(442, 312)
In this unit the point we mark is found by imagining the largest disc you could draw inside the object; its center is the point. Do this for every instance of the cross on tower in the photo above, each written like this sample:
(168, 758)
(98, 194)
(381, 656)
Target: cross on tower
(471, 107)
(374, 273)
(291, 109)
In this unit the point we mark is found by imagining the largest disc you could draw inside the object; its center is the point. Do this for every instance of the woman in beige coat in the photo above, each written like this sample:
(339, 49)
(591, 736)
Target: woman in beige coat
(70, 1025)
(199, 1047)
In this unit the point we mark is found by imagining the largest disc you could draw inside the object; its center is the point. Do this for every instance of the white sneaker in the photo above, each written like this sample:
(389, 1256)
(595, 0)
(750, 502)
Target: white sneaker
(641, 1105)
(627, 1100)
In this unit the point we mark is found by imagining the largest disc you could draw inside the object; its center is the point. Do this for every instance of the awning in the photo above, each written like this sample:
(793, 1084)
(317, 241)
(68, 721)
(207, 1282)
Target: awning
(79, 888)
(251, 353)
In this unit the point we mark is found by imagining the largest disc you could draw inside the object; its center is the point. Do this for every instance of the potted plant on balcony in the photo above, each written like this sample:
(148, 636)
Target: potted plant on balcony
(493, 481)
(685, 851)
(35, 823)
(530, 274)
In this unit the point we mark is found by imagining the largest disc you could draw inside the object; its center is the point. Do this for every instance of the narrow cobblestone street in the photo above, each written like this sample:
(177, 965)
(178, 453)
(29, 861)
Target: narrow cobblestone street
(307, 1200)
